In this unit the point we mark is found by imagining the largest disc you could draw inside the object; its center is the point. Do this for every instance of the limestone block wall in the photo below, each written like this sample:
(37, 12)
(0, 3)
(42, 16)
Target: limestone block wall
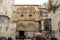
(12, 30)
(7, 28)
(16, 15)
(55, 18)
(6, 7)
(55, 26)
(29, 27)
(4, 24)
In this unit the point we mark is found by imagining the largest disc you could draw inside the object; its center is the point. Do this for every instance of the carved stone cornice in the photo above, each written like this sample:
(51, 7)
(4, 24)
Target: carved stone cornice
(24, 9)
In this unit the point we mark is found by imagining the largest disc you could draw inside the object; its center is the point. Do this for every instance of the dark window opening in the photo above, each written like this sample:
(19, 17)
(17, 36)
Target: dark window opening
(46, 27)
(30, 13)
(21, 13)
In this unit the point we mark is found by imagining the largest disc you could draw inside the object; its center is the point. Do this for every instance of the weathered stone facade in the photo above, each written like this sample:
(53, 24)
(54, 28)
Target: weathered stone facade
(14, 19)
(28, 21)
(54, 15)
(4, 25)
(55, 18)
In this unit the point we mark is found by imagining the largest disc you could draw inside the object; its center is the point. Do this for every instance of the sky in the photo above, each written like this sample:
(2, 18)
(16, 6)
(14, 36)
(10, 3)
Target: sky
(29, 2)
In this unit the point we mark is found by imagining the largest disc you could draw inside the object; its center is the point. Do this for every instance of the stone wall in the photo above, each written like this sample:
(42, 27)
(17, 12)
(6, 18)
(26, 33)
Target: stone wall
(6, 7)
(30, 12)
(4, 25)
(29, 27)
(55, 18)
(7, 28)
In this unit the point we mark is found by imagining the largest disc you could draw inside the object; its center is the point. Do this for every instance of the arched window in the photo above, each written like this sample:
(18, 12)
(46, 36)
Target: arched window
(30, 13)
(47, 25)
(21, 13)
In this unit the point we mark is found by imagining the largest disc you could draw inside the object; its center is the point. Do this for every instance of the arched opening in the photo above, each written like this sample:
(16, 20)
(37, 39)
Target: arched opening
(48, 28)
(47, 25)
(31, 26)
(20, 30)
(25, 30)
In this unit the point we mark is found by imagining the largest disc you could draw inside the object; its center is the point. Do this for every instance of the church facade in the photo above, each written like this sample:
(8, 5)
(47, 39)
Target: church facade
(23, 20)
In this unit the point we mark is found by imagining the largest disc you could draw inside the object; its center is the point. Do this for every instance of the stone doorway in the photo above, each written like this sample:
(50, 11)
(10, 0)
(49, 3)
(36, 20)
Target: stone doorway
(21, 34)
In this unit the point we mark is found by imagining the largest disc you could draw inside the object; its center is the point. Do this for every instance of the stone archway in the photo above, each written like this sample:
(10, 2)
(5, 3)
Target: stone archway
(47, 27)
(20, 30)
(31, 29)
(20, 26)
(31, 26)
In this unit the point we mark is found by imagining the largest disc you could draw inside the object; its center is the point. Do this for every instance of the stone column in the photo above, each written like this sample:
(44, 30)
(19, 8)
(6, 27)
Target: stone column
(42, 24)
